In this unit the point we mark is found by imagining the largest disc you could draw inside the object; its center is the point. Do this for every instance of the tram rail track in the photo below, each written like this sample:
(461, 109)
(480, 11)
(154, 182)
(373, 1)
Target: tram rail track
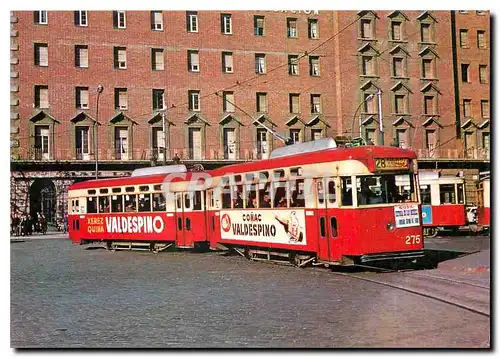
(474, 298)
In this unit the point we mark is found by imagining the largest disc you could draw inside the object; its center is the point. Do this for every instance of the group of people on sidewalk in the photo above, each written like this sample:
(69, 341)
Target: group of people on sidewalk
(25, 225)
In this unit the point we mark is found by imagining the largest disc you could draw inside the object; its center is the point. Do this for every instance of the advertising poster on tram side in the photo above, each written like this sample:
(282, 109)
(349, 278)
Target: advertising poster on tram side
(280, 226)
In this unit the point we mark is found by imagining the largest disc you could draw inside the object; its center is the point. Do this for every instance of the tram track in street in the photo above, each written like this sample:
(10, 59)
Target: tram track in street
(474, 299)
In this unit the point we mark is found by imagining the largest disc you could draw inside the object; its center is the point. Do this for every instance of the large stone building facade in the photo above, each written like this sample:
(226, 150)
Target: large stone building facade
(205, 84)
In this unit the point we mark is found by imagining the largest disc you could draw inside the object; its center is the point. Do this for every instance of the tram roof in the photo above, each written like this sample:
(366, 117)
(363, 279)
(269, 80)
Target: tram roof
(364, 154)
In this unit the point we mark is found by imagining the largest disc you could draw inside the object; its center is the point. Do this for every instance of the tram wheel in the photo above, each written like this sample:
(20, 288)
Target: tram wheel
(430, 232)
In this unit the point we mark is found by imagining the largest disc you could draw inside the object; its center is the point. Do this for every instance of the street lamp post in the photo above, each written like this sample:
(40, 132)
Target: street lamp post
(100, 88)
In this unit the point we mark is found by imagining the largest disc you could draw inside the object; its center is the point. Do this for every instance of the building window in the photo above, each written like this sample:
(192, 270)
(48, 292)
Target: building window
(398, 69)
(261, 101)
(158, 99)
(467, 108)
(480, 12)
(81, 18)
(369, 103)
(401, 137)
(227, 62)
(464, 40)
(481, 39)
(293, 65)
(313, 65)
(42, 96)
(429, 105)
(294, 103)
(400, 104)
(193, 61)
(260, 63)
(370, 136)
(427, 68)
(258, 25)
(156, 21)
(121, 98)
(194, 100)
(315, 103)
(81, 56)
(426, 32)
(291, 27)
(367, 65)
(192, 21)
(430, 140)
(366, 30)
(119, 20)
(229, 143)
(157, 63)
(41, 55)
(226, 24)
(485, 140)
(82, 142)
(396, 31)
(41, 17)
(316, 133)
(228, 101)
(195, 143)
(82, 97)
(295, 135)
(465, 72)
(483, 74)
(121, 143)
(120, 55)
(485, 108)
(158, 142)
(313, 28)
(42, 142)
(262, 144)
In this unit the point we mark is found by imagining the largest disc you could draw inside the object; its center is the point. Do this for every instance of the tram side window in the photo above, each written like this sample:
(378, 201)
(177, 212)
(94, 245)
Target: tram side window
(320, 192)
(297, 194)
(460, 193)
(158, 202)
(187, 200)
(280, 194)
(226, 196)
(130, 203)
(425, 194)
(265, 196)
(197, 200)
(346, 185)
(92, 204)
(331, 192)
(116, 203)
(251, 197)
(238, 196)
(447, 193)
(144, 202)
(104, 204)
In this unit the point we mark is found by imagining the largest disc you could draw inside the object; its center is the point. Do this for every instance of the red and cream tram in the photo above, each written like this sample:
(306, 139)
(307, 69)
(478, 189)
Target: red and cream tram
(483, 197)
(334, 206)
(134, 212)
(443, 201)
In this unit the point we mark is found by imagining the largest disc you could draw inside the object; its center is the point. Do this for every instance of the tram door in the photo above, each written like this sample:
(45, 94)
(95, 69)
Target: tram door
(190, 218)
(329, 243)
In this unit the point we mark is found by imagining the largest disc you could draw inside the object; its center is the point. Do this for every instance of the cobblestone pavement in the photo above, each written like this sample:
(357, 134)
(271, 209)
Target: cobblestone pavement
(65, 296)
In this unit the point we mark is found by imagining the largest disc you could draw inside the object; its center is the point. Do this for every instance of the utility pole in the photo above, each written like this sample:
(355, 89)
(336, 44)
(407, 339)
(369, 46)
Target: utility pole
(100, 88)
(285, 140)
(164, 138)
(381, 123)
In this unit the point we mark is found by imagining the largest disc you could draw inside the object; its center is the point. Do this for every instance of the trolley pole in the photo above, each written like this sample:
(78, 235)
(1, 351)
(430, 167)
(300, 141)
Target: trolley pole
(164, 138)
(381, 123)
(100, 88)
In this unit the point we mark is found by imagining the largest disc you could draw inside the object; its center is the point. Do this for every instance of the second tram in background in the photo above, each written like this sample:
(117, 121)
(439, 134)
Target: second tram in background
(483, 205)
(443, 202)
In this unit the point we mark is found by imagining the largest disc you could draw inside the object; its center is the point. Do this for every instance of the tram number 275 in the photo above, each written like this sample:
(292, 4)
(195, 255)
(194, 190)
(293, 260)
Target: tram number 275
(412, 239)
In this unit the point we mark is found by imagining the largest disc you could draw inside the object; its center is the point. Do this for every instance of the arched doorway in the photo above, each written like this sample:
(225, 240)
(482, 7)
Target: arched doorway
(43, 199)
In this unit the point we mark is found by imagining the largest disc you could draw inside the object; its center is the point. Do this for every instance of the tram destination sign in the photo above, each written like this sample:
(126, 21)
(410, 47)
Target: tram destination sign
(391, 163)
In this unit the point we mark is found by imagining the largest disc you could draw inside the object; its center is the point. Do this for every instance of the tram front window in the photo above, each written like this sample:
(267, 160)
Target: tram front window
(382, 189)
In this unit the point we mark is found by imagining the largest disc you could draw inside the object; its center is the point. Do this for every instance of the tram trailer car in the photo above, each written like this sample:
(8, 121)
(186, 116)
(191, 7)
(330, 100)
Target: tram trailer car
(483, 196)
(133, 213)
(338, 206)
(443, 201)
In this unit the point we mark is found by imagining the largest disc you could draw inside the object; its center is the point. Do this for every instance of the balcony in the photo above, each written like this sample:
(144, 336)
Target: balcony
(481, 154)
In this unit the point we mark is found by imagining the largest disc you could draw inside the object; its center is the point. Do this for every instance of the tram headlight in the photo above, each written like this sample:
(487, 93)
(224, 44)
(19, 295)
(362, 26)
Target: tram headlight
(390, 226)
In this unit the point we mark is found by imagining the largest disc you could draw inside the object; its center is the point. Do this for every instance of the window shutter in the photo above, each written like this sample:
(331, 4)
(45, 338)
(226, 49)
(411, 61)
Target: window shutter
(159, 60)
(44, 97)
(77, 17)
(84, 98)
(295, 103)
(195, 61)
(262, 103)
(229, 100)
(44, 55)
(84, 57)
(228, 62)
(158, 20)
(122, 99)
(115, 18)
(366, 29)
(37, 16)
